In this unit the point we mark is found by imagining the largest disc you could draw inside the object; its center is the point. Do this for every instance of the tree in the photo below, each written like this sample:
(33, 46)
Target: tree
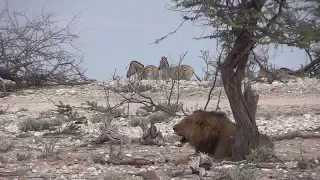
(239, 26)
(37, 51)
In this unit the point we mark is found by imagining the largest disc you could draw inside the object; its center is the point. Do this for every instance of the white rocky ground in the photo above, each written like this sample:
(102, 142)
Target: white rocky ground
(282, 108)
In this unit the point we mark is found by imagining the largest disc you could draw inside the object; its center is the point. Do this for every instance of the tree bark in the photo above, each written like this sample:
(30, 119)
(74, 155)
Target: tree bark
(232, 73)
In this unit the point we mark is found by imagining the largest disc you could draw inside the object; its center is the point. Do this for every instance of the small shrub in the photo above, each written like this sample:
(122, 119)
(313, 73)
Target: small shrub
(261, 155)
(136, 121)
(132, 87)
(47, 114)
(142, 112)
(111, 111)
(70, 113)
(303, 164)
(22, 109)
(239, 174)
(98, 118)
(23, 157)
(159, 117)
(39, 125)
(98, 159)
(3, 110)
(49, 148)
(6, 146)
(115, 176)
(268, 115)
(147, 108)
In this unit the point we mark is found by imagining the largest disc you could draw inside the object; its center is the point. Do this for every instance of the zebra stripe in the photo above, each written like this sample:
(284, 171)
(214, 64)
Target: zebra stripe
(182, 72)
(150, 72)
(135, 68)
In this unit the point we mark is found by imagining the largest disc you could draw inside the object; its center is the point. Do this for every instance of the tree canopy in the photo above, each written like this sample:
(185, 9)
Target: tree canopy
(291, 22)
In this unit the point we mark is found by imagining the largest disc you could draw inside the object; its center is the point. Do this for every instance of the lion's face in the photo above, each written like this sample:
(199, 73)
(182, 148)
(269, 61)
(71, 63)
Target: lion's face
(183, 128)
(187, 127)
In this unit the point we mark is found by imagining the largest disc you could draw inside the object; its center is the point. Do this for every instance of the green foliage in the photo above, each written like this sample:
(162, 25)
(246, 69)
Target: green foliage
(38, 124)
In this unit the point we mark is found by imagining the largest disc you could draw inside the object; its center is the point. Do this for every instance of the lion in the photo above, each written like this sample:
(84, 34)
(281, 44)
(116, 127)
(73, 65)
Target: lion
(211, 132)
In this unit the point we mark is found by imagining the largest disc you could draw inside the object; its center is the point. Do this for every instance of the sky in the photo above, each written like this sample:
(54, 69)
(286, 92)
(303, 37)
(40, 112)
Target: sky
(113, 33)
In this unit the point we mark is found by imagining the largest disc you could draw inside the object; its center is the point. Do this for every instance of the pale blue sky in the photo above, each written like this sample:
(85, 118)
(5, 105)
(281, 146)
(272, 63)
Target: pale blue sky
(116, 32)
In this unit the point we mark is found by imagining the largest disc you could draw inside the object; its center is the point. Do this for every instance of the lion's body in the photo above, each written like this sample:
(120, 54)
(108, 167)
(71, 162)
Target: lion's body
(210, 132)
(264, 140)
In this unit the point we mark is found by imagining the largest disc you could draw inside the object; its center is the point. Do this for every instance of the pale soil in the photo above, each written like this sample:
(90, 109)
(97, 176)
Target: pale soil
(281, 108)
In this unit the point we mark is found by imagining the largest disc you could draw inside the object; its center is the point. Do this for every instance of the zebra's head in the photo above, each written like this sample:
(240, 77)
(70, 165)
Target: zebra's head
(134, 67)
(163, 63)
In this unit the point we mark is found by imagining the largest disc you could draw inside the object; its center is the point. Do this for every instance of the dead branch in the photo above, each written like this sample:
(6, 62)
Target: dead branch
(269, 75)
(119, 159)
(218, 102)
(296, 134)
(214, 81)
(151, 136)
(164, 37)
(146, 100)
(200, 164)
(308, 67)
(211, 89)
(171, 91)
(179, 69)
(173, 82)
(110, 134)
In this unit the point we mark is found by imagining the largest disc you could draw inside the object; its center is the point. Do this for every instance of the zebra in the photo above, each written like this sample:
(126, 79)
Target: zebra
(135, 68)
(184, 72)
(149, 72)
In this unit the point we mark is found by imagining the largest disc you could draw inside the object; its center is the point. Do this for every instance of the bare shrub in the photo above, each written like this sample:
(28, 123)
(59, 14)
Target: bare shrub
(137, 96)
(114, 111)
(132, 86)
(304, 163)
(49, 148)
(208, 71)
(98, 118)
(33, 50)
(3, 110)
(159, 117)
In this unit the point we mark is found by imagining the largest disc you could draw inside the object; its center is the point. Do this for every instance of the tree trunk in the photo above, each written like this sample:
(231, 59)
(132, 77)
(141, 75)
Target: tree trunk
(243, 107)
